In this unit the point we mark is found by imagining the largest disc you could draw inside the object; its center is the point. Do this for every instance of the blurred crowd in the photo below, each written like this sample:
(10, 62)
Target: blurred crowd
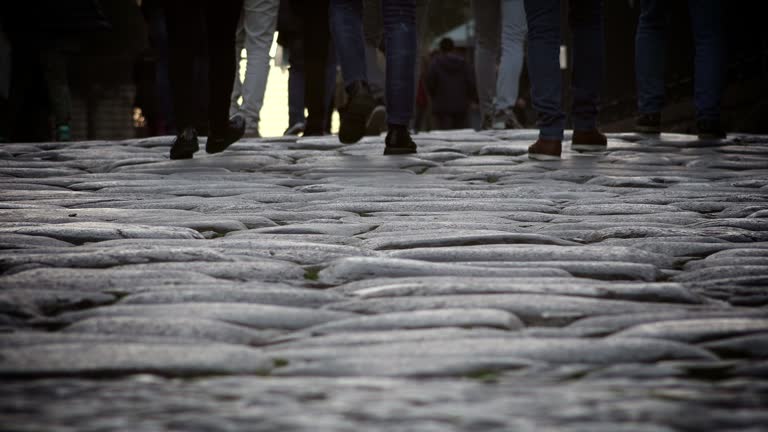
(361, 57)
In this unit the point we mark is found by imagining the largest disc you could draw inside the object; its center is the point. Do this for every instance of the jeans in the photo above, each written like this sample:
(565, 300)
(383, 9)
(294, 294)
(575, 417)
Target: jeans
(649, 56)
(586, 21)
(373, 29)
(491, 18)
(188, 22)
(254, 32)
(400, 41)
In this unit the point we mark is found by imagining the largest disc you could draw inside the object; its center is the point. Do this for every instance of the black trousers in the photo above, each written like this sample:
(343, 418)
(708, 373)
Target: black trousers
(447, 121)
(197, 28)
(316, 34)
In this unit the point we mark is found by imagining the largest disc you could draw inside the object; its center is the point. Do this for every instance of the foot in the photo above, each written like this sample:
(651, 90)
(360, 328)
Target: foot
(295, 129)
(185, 145)
(648, 123)
(487, 121)
(356, 113)
(545, 150)
(398, 141)
(590, 140)
(63, 133)
(377, 121)
(709, 130)
(219, 140)
(506, 119)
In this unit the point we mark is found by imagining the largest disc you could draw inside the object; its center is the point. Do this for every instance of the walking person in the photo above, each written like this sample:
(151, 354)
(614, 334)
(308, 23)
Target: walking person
(451, 87)
(500, 27)
(193, 24)
(707, 29)
(586, 21)
(400, 42)
(255, 32)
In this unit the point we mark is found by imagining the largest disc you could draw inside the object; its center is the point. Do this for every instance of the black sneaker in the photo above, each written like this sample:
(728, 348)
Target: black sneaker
(295, 129)
(648, 123)
(398, 141)
(709, 129)
(219, 140)
(355, 115)
(185, 145)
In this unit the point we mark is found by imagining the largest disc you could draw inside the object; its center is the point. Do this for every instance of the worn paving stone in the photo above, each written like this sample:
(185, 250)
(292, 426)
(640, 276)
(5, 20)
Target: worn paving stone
(464, 287)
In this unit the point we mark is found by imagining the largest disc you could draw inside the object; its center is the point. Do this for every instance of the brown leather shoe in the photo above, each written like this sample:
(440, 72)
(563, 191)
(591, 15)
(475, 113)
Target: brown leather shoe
(545, 150)
(589, 140)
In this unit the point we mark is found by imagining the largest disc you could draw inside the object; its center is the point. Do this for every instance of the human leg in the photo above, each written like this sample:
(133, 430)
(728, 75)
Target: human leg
(400, 36)
(237, 85)
(487, 29)
(586, 19)
(513, 31)
(650, 65)
(709, 63)
(316, 43)
(373, 31)
(222, 20)
(543, 19)
(259, 19)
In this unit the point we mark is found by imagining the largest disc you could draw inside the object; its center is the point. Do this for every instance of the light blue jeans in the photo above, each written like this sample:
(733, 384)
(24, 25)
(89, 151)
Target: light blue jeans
(500, 31)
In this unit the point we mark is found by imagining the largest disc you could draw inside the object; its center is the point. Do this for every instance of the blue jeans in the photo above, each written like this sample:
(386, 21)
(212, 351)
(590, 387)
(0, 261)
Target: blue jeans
(400, 41)
(586, 20)
(650, 66)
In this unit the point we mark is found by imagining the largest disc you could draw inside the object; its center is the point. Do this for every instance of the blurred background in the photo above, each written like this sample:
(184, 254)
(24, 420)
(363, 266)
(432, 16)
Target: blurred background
(112, 70)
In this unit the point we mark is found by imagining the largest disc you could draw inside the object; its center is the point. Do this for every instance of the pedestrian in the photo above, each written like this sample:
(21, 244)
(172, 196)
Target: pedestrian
(500, 28)
(451, 87)
(193, 25)
(255, 32)
(586, 21)
(400, 41)
(707, 29)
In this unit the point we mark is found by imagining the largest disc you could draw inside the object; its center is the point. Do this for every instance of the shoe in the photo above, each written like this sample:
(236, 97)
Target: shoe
(377, 121)
(185, 145)
(398, 141)
(252, 133)
(219, 140)
(709, 129)
(590, 140)
(295, 129)
(356, 113)
(487, 121)
(63, 133)
(648, 123)
(505, 119)
(545, 150)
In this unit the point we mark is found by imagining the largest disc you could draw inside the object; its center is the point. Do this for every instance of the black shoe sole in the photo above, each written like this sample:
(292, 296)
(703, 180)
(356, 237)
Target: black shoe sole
(353, 122)
(398, 150)
(186, 153)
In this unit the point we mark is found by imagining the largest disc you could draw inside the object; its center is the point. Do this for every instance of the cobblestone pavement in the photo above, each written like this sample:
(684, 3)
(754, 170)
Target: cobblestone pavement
(305, 285)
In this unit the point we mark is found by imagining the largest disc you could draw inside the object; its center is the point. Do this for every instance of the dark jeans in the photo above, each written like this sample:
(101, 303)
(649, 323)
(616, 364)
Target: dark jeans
(650, 54)
(587, 61)
(400, 43)
(297, 83)
(193, 25)
(446, 121)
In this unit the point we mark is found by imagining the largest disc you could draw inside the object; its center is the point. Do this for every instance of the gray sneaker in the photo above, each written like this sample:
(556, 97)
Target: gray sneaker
(506, 119)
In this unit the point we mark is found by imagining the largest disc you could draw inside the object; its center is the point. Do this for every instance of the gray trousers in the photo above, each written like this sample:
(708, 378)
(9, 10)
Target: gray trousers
(500, 31)
(255, 33)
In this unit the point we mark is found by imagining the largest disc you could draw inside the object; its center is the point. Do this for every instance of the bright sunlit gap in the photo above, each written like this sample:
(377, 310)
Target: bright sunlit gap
(274, 112)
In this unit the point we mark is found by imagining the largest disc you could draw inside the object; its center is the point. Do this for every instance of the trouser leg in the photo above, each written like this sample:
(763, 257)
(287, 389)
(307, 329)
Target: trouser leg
(316, 37)
(487, 29)
(543, 17)
(586, 18)
(347, 32)
(260, 19)
(650, 53)
(707, 26)
(184, 20)
(237, 85)
(222, 17)
(513, 31)
(400, 38)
